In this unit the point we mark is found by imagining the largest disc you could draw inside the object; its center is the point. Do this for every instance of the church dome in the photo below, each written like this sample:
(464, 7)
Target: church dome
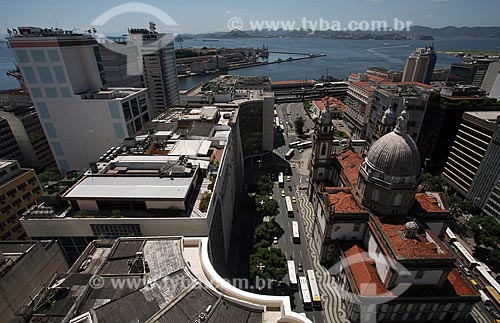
(395, 154)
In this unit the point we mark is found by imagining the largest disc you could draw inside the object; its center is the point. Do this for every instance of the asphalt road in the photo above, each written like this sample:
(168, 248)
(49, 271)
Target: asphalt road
(296, 251)
(480, 311)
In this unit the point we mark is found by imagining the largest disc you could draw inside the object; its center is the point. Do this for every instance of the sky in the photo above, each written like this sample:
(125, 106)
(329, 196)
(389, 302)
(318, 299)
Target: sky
(196, 16)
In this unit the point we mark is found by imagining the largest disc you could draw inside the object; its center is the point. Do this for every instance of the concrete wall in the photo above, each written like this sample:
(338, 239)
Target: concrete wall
(80, 227)
(26, 277)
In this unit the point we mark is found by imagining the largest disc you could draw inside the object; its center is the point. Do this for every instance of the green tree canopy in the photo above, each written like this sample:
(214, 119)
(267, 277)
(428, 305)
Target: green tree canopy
(299, 125)
(266, 206)
(274, 261)
(264, 186)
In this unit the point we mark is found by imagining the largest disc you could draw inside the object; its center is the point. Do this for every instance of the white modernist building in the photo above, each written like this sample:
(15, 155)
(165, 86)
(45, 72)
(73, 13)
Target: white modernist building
(64, 75)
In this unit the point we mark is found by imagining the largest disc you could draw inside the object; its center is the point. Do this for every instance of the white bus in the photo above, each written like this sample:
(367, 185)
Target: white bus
(357, 142)
(277, 123)
(316, 298)
(304, 292)
(281, 181)
(292, 276)
(289, 154)
(450, 236)
(304, 145)
(295, 232)
(294, 144)
(465, 255)
(289, 206)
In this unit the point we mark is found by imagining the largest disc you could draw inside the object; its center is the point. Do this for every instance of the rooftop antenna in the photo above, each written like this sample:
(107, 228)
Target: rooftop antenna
(57, 22)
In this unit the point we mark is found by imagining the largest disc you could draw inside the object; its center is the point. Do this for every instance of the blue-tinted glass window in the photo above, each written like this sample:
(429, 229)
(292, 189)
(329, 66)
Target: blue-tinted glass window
(37, 93)
(38, 56)
(29, 75)
(63, 165)
(113, 110)
(65, 92)
(56, 146)
(44, 73)
(59, 72)
(42, 110)
(51, 131)
(22, 56)
(119, 130)
(53, 55)
(51, 92)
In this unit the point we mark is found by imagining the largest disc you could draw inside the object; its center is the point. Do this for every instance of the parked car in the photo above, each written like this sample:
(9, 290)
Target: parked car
(466, 270)
(299, 267)
(275, 240)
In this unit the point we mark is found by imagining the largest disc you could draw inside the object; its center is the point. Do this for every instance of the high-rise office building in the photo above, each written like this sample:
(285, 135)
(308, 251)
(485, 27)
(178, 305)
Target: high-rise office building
(473, 139)
(490, 77)
(9, 149)
(159, 69)
(81, 118)
(29, 135)
(19, 189)
(420, 65)
(473, 167)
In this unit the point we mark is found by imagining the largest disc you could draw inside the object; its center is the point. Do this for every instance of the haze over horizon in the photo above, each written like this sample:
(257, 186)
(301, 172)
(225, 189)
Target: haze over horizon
(190, 18)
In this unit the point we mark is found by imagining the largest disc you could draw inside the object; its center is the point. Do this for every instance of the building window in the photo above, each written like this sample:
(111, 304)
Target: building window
(65, 92)
(59, 73)
(56, 146)
(42, 110)
(53, 55)
(419, 274)
(38, 56)
(120, 134)
(51, 92)
(398, 200)
(50, 130)
(29, 75)
(113, 110)
(45, 75)
(323, 149)
(377, 251)
(22, 56)
(375, 195)
(357, 227)
(116, 230)
(36, 92)
(63, 164)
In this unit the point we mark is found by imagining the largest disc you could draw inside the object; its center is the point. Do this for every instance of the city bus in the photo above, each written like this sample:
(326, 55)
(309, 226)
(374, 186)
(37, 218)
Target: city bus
(304, 292)
(304, 145)
(450, 236)
(494, 295)
(316, 298)
(281, 181)
(465, 255)
(295, 232)
(292, 275)
(294, 144)
(289, 154)
(356, 142)
(289, 206)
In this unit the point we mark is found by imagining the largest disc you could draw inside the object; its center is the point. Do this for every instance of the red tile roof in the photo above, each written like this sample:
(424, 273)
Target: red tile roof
(429, 202)
(331, 102)
(368, 86)
(342, 200)
(426, 245)
(363, 270)
(460, 285)
(350, 162)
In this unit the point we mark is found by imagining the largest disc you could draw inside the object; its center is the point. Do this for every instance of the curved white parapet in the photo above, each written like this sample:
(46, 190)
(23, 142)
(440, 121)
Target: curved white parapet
(224, 287)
